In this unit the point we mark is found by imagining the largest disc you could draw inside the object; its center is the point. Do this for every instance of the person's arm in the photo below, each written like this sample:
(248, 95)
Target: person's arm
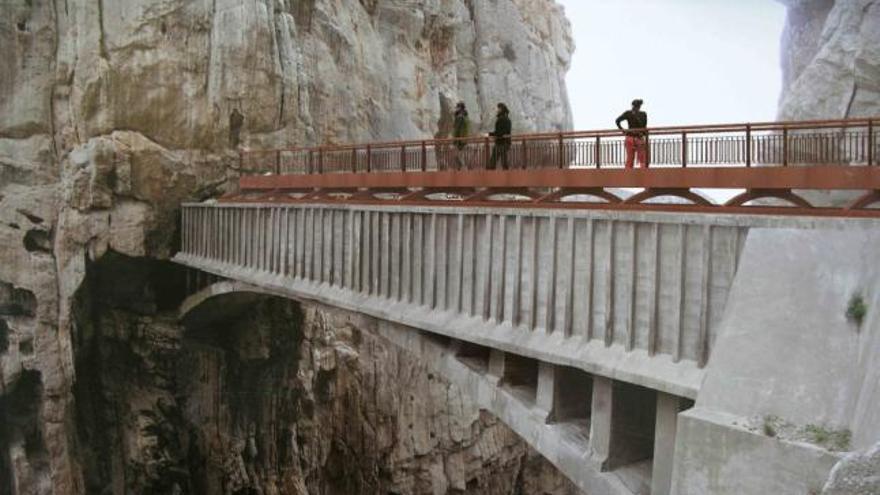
(620, 119)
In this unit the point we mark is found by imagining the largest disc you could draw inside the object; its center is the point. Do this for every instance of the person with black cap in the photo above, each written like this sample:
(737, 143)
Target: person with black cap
(501, 134)
(636, 142)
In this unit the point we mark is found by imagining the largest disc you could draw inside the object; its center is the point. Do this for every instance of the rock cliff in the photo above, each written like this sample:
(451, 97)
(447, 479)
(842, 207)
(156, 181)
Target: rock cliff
(831, 59)
(831, 70)
(264, 395)
(112, 113)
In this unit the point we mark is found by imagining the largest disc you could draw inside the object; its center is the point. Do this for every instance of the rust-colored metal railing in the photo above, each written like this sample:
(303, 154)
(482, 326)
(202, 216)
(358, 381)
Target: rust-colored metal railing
(820, 142)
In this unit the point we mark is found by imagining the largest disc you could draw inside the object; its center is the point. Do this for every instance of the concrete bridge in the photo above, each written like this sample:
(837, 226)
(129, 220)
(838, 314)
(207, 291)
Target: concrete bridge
(630, 346)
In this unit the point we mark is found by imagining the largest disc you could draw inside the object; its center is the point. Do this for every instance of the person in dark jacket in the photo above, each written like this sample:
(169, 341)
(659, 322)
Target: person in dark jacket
(636, 139)
(460, 131)
(501, 134)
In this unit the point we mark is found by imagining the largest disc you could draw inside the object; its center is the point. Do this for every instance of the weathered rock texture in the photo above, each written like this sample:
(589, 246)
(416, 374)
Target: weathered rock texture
(831, 59)
(112, 113)
(831, 70)
(270, 397)
(856, 474)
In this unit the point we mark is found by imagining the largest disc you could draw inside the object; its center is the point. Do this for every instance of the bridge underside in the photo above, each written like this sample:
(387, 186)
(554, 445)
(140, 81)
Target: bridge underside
(607, 437)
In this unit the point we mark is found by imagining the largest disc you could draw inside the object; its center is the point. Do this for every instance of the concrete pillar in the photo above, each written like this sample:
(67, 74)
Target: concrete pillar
(668, 407)
(545, 399)
(496, 365)
(601, 418)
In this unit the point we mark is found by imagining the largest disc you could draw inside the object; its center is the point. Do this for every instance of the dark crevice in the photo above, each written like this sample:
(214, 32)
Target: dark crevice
(140, 285)
(38, 240)
(16, 302)
(30, 216)
(4, 335)
(509, 52)
(122, 348)
(26, 346)
(20, 426)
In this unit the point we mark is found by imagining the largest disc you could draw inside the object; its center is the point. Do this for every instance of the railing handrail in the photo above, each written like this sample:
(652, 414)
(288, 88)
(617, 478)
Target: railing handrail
(538, 136)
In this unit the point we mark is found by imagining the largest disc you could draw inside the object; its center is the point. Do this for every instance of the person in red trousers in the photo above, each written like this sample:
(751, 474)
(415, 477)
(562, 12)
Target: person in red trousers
(636, 141)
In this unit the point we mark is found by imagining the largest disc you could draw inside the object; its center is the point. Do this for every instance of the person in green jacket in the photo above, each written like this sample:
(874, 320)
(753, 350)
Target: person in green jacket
(501, 134)
(460, 130)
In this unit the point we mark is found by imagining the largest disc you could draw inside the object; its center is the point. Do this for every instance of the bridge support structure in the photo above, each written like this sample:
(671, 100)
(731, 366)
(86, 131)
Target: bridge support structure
(585, 332)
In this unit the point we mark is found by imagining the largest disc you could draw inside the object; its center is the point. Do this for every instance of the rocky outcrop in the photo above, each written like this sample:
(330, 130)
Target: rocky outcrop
(857, 473)
(831, 70)
(112, 113)
(267, 396)
(831, 59)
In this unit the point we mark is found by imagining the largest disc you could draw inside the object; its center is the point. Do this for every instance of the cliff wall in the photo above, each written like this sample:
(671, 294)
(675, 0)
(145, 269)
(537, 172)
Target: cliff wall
(831, 59)
(112, 113)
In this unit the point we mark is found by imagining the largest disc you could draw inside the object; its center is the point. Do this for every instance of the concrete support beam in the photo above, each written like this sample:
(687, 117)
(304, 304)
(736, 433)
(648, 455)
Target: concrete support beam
(668, 407)
(547, 386)
(601, 419)
(496, 365)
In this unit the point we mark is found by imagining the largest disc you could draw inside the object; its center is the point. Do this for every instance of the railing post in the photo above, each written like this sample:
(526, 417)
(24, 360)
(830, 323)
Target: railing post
(486, 153)
(561, 158)
(320, 160)
(684, 149)
(748, 145)
(870, 142)
(785, 146)
(369, 158)
(311, 163)
(403, 158)
(598, 151)
(278, 162)
(354, 160)
(424, 156)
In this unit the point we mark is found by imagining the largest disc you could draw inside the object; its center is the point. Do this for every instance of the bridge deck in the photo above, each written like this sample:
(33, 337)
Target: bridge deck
(767, 160)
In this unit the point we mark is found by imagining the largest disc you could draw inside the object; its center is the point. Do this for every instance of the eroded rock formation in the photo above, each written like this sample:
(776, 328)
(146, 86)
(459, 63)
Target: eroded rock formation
(112, 113)
(831, 59)
(831, 70)
(266, 396)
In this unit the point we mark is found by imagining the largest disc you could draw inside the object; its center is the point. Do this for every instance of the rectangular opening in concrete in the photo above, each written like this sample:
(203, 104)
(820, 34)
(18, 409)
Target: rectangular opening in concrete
(572, 398)
(474, 356)
(574, 390)
(521, 376)
(632, 425)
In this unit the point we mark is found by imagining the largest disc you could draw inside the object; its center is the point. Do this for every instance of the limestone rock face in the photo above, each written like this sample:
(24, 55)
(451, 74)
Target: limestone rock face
(831, 59)
(264, 395)
(112, 113)
(856, 474)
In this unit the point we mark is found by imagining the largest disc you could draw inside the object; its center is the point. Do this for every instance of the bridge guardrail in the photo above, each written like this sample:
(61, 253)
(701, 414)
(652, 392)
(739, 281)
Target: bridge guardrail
(826, 142)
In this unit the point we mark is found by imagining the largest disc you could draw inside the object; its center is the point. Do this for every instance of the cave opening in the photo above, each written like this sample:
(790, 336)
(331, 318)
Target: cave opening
(20, 428)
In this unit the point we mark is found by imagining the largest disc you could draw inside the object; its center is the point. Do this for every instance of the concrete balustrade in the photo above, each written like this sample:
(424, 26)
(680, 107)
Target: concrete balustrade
(586, 332)
(642, 288)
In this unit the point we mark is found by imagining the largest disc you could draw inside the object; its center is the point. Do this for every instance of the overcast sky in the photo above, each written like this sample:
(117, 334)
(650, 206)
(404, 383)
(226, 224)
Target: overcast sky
(692, 61)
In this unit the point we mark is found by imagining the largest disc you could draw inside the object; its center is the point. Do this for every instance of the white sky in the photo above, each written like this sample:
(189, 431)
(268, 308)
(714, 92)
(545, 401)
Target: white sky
(692, 61)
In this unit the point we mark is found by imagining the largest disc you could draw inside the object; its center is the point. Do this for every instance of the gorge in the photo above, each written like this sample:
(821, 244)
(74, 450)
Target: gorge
(113, 113)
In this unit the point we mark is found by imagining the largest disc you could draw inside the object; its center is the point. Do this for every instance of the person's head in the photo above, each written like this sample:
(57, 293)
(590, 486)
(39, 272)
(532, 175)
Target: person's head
(502, 109)
(637, 104)
(459, 107)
